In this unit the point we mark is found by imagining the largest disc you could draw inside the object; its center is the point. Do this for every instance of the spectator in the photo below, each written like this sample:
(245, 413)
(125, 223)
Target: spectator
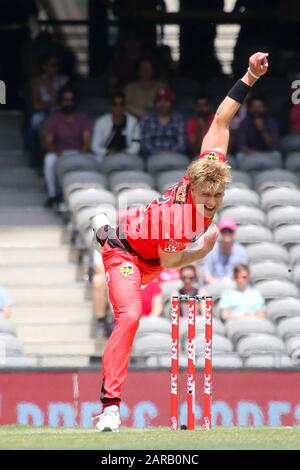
(44, 92)
(190, 281)
(140, 94)
(242, 300)
(117, 131)
(152, 304)
(122, 68)
(66, 131)
(198, 125)
(219, 263)
(99, 295)
(163, 129)
(295, 118)
(167, 66)
(258, 132)
(5, 304)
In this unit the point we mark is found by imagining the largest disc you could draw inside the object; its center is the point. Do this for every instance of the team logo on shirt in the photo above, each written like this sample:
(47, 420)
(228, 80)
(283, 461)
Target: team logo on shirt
(174, 245)
(126, 269)
(212, 156)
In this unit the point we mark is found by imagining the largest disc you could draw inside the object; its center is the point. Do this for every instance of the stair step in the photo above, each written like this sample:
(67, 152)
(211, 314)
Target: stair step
(44, 313)
(29, 332)
(73, 361)
(43, 296)
(28, 216)
(27, 256)
(38, 276)
(21, 198)
(33, 237)
(79, 348)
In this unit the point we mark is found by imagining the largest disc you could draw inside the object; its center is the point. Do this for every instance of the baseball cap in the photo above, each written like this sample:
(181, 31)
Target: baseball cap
(164, 92)
(227, 224)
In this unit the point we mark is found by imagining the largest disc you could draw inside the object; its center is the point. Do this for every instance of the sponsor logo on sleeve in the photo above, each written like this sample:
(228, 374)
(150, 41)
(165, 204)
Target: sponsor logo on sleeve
(126, 269)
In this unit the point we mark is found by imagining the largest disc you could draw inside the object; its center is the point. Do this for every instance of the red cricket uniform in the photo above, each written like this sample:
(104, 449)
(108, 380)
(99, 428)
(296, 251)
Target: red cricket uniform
(131, 261)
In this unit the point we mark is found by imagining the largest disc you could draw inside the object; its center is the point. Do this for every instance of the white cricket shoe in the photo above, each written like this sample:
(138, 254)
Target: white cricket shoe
(109, 420)
(96, 222)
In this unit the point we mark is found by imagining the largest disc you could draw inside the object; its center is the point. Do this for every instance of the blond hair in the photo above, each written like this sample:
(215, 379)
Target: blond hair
(212, 172)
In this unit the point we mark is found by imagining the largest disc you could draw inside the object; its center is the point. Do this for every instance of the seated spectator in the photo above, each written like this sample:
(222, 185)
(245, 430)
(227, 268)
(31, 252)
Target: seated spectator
(198, 125)
(140, 94)
(122, 67)
(66, 131)
(190, 286)
(44, 92)
(5, 304)
(295, 118)
(152, 304)
(99, 295)
(258, 132)
(243, 300)
(117, 131)
(219, 263)
(163, 129)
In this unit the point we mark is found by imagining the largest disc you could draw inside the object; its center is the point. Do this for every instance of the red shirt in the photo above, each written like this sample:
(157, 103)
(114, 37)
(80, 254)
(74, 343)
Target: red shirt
(68, 135)
(295, 118)
(170, 222)
(150, 291)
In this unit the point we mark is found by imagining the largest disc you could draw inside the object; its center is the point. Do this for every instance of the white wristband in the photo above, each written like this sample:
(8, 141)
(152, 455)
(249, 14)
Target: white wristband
(252, 74)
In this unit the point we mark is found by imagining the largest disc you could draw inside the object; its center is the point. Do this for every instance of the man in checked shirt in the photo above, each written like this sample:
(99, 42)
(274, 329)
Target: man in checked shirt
(163, 129)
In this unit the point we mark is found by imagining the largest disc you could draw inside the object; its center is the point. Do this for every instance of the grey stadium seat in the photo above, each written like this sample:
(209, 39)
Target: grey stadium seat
(220, 343)
(77, 180)
(259, 343)
(293, 347)
(268, 361)
(295, 254)
(120, 180)
(290, 143)
(77, 162)
(82, 217)
(136, 197)
(7, 327)
(280, 197)
(166, 179)
(248, 234)
(277, 289)
(217, 326)
(167, 161)
(240, 179)
(275, 179)
(296, 274)
(289, 327)
(265, 270)
(19, 361)
(239, 328)
(216, 289)
(292, 162)
(153, 343)
(267, 251)
(243, 215)
(287, 235)
(283, 216)
(90, 198)
(221, 360)
(121, 161)
(284, 307)
(240, 196)
(259, 161)
(153, 325)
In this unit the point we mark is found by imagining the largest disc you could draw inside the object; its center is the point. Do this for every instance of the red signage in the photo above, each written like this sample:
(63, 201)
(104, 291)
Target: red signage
(254, 398)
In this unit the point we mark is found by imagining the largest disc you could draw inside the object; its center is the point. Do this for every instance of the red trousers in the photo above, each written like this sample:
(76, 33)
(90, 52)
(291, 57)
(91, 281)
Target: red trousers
(126, 273)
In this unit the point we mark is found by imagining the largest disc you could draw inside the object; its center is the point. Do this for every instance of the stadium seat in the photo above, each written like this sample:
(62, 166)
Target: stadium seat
(288, 327)
(77, 162)
(220, 343)
(290, 143)
(82, 217)
(19, 361)
(292, 161)
(78, 180)
(239, 328)
(136, 197)
(265, 270)
(296, 274)
(243, 215)
(166, 179)
(151, 344)
(7, 327)
(288, 215)
(215, 290)
(122, 161)
(249, 234)
(240, 179)
(168, 287)
(218, 327)
(120, 180)
(229, 360)
(287, 235)
(268, 361)
(267, 251)
(275, 289)
(153, 325)
(167, 162)
(284, 307)
(240, 196)
(275, 179)
(259, 161)
(295, 254)
(90, 198)
(293, 347)
(259, 343)
(280, 197)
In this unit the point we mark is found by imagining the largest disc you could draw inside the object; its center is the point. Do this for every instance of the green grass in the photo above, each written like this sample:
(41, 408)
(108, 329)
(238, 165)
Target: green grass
(28, 437)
